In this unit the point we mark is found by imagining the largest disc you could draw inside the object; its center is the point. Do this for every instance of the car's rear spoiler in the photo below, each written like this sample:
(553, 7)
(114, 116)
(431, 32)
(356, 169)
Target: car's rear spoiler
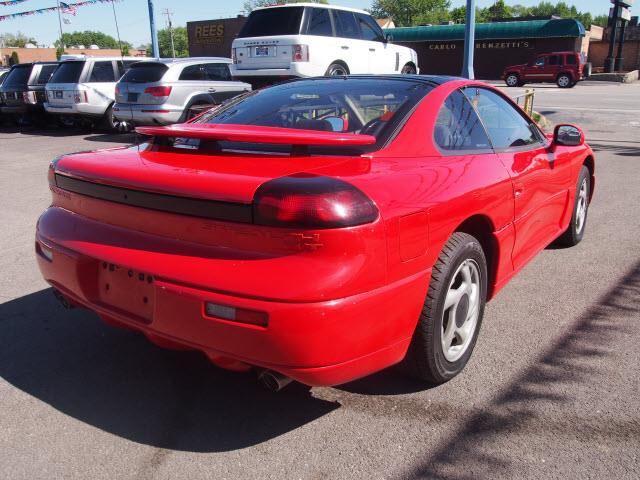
(258, 134)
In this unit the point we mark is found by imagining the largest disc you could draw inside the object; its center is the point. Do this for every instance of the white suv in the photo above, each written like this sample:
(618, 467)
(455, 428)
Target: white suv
(82, 89)
(308, 40)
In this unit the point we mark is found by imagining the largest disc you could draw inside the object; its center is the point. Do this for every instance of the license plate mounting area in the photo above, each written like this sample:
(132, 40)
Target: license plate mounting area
(127, 290)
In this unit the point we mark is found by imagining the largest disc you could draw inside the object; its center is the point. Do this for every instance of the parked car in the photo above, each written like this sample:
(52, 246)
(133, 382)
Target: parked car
(22, 91)
(3, 76)
(309, 40)
(171, 91)
(564, 68)
(318, 230)
(82, 89)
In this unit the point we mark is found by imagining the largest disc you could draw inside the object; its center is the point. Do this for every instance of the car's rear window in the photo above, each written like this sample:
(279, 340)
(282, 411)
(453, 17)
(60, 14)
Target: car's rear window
(67, 72)
(145, 72)
(18, 76)
(272, 21)
(358, 106)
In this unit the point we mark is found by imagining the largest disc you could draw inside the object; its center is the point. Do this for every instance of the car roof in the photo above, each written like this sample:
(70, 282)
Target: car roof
(315, 5)
(84, 58)
(430, 79)
(190, 60)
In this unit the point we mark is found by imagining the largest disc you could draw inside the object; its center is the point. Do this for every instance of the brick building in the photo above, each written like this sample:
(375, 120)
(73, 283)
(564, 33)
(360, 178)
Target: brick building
(598, 51)
(28, 55)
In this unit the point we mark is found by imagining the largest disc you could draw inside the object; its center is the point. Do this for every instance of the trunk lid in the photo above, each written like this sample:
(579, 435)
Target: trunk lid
(223, 177)
(264, 52)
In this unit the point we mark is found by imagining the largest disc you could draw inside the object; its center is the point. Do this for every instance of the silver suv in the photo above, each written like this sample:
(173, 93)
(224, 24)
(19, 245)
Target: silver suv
(173, 90)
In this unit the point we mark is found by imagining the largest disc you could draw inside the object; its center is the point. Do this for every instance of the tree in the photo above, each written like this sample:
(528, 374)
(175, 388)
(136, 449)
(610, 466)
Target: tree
(406, 13)
(16, 40)
(88, 38)
(251, 5)
(498, 10)
(180, 42)
(601, 20)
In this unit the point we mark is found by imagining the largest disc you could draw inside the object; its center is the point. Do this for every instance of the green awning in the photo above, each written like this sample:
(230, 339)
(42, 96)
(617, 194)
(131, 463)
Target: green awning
(564, 27)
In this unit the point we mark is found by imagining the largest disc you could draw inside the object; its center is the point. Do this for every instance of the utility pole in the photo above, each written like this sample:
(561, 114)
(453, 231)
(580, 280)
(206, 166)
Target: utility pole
(154, 34)
(60, 22)
(469, 40)
(170, 26)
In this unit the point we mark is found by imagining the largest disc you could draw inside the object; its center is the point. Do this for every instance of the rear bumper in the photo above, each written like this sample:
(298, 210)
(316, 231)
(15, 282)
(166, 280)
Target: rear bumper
(80, 109)
(147, 114)
(324, 342)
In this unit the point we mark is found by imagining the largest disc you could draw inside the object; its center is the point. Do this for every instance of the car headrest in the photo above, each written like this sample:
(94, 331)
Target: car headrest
(307, 124)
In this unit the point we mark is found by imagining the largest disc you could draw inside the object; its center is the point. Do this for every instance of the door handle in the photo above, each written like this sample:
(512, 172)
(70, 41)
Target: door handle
(345, 47)
(211, 90)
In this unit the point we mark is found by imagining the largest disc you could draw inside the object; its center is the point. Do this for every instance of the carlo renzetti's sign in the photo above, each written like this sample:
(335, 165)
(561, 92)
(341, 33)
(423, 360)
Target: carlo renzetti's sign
(483, 45)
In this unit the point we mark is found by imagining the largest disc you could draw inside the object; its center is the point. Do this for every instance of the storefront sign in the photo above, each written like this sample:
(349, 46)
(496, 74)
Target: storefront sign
(209, 34)
(483, 45)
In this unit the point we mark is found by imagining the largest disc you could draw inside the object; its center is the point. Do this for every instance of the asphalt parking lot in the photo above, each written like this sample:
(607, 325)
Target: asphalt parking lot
(552, 390)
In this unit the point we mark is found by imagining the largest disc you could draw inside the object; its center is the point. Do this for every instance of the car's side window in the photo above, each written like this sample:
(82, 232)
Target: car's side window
(45, 74)
(192, 72)
(346, 25)
(570, 60)
(368, 31)
(218, 72)
(506, 125)
(554, 60)
(458, 127)
(102, 72)
(320, 22)
(539, 62)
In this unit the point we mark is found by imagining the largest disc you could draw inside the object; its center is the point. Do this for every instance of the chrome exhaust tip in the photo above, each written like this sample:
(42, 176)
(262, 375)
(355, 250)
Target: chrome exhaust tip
(273, 381)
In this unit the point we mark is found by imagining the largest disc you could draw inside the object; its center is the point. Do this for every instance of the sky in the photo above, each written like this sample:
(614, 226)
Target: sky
(133, 16)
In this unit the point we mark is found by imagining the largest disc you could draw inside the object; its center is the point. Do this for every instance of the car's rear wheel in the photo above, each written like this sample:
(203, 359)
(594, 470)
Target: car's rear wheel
(575, 231)
(336, 70)
(112, 124)
(408, 69)
(564, 81)
(512, 80)
(452, 313)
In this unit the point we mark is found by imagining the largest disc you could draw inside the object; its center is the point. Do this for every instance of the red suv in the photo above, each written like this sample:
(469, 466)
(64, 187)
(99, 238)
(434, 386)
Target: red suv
(564, 68)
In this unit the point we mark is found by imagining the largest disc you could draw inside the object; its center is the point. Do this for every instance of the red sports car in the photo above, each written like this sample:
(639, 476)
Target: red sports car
(318, 230)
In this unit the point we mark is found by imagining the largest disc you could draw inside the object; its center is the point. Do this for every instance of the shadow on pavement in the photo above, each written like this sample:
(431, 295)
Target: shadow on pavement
(117, 381)
(624, 150)
(571, 359)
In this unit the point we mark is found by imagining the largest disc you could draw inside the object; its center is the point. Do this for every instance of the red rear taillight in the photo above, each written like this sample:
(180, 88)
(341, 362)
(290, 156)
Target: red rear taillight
(117, 90)
(311, 202)
(29, 97)
(158, 91)
(300, 53)
(234, 59)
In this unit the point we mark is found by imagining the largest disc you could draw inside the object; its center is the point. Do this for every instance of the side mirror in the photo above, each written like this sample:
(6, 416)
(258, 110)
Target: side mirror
(337, 123)
(568, 136)
(387, 38)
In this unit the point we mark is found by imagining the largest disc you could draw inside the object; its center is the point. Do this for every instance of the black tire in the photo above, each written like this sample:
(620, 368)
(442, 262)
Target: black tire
(575, 231)
(336, 70)
(408, 69)
(190, 112)
(512, 80)
(564, 80)
(426, 357)
(113, 125)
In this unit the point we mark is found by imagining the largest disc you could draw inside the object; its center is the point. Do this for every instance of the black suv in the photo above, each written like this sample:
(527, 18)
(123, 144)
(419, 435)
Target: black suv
(22, 91)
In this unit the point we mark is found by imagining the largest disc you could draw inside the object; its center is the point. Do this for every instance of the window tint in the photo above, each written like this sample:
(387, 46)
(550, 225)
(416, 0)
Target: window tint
(45, 74)
(369, 27)
(570, 60)
(217, 71)
(68, 72)
(506, 126)
(273, 21)
(320, 22)
(554, 60)
(192, 72)
(18, 76)
(346, 25)
(145, 72)
(458, 127)
(538, 62)
(102, 72)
